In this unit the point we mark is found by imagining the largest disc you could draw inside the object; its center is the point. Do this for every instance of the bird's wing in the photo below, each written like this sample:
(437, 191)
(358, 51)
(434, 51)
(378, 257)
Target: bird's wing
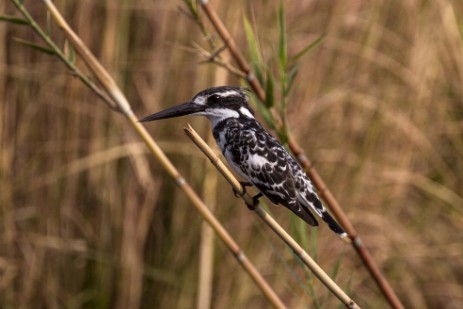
(266, 166)
(303, 213)
(310, 200)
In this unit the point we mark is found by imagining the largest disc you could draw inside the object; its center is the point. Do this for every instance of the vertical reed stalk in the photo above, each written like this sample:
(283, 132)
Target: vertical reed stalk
(206, 254)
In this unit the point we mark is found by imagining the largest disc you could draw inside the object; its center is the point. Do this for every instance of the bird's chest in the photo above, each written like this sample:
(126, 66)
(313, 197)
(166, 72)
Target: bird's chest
(233, 143)
(236, 144)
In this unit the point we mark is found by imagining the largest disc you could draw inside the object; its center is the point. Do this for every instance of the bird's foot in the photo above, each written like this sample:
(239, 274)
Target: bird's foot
(255, 201)
(244, 184)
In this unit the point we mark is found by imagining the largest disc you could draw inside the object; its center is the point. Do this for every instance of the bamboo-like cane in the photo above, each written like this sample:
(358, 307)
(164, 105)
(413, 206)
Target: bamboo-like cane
(115, 98)
(318, 182)
(297, 249)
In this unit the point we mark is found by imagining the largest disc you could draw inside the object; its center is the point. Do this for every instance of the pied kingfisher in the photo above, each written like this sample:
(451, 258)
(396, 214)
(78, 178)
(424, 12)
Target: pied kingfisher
(253, 153)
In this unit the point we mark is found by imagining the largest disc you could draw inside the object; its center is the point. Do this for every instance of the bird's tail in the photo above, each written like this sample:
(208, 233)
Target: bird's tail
(311, 200)
(334, 226)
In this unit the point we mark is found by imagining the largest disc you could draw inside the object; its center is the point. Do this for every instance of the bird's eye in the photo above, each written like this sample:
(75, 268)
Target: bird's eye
(214, 99)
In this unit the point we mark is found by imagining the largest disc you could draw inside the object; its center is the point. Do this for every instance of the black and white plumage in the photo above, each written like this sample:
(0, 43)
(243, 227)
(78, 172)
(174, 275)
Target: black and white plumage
(253, 152)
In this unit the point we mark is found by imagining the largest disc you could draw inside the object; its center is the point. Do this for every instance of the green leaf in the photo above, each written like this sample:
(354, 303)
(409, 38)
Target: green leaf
(283, 60)
(192, 7)
(35, 46)
(313, 247)
(263, 111)
(48, 24)
(308, 48)
(336, 266)
(69, 51)
(283, 134)
(14, 20)
(334, 272)
(292, 74)
(269, 90)
(254, 54)
(282, 52)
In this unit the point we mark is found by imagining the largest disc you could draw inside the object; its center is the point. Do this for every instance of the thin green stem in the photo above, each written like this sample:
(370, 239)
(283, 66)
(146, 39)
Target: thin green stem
(62, 56)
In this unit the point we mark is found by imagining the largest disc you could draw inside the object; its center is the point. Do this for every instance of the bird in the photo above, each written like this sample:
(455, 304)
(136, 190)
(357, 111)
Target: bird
(253, 153)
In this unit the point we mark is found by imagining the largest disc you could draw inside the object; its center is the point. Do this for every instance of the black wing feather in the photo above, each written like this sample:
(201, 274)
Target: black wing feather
(274, 177)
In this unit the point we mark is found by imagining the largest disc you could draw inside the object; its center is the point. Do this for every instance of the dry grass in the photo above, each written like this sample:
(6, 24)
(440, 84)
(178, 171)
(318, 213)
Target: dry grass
(89, 221)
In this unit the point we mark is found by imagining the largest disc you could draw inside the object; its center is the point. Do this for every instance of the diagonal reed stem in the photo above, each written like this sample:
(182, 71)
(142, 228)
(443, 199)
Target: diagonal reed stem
(115, 98)
(297, 249)
(318, 182)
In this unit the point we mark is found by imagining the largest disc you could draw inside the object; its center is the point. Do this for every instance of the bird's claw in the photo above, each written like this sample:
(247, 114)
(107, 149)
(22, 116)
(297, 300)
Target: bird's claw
(255, 201)
(255, 198)
(244, 184)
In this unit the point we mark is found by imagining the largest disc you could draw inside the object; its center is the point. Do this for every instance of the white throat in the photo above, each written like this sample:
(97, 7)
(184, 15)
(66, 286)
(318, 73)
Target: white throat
(216, 115)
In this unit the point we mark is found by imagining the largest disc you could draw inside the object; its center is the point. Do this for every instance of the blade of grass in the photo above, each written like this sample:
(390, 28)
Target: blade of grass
(253, 49)
(269, 90)
(14, 20)
(282, 45)
(40, 48)
(283, 64)
(311, 46)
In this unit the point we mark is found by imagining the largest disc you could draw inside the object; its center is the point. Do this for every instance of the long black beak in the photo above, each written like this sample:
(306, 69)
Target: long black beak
(175, 111)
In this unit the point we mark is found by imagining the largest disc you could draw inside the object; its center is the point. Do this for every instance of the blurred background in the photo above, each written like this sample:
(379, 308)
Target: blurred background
(89, 219)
